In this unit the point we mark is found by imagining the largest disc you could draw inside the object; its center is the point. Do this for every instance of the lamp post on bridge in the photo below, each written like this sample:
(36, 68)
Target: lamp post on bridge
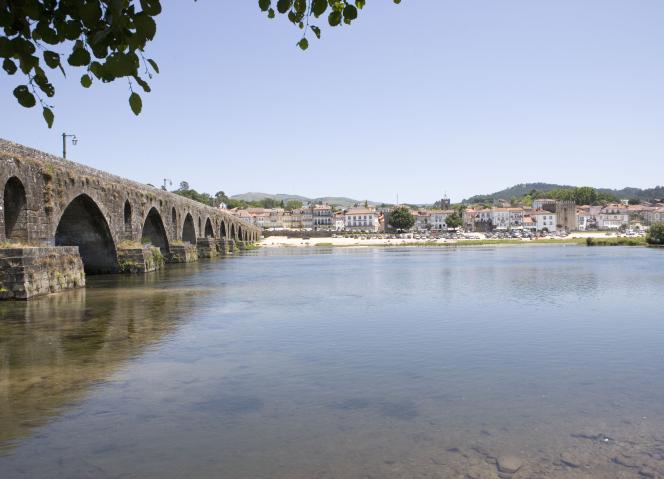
(74, 140)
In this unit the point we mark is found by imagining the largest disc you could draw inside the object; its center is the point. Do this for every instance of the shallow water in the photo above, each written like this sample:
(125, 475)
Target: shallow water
(344, 363)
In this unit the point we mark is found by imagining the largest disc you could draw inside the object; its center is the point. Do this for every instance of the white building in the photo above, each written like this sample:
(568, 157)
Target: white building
(422, 220)
(361, 219)
(544, 220)
(438, 218)
(612, 221)
(339, 222)
(322, 217)
(654, 215)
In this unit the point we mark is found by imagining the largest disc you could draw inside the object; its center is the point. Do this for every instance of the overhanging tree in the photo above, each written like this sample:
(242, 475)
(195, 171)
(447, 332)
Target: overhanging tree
(106, 40)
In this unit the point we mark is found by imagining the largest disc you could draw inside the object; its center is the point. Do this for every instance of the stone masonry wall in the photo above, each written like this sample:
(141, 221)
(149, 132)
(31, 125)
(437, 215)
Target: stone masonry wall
(141, 259)
(29, 272)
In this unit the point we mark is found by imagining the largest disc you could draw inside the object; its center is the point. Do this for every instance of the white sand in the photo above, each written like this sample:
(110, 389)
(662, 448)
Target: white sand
(284, 242)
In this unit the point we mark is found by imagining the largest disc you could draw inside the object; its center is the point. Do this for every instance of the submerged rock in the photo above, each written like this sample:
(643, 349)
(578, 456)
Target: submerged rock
(476, 472)
(509, 463)
(647, 473)
(570, 460)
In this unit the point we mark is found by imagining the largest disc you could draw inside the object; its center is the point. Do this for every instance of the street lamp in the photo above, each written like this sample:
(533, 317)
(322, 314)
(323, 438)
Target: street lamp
(74, 140)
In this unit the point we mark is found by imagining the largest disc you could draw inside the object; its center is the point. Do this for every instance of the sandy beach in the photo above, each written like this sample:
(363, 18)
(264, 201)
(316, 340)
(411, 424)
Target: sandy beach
(286, 242)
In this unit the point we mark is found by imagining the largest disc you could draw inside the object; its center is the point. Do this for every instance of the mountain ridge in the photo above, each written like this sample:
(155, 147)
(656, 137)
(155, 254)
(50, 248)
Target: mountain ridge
(522, 189)
(331, 200)
(518, 190)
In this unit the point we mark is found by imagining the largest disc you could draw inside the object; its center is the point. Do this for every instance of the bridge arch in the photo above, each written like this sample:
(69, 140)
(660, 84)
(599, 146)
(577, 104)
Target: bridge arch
(83, 224)
(154, 231)
(233, 235)
(174, 222)
(128, 230)
(16, 210)
(209, 231)
(222, 230)
(189, 230)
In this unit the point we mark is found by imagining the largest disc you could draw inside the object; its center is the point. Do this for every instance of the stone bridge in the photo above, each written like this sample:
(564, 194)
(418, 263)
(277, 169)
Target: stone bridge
(49, 201)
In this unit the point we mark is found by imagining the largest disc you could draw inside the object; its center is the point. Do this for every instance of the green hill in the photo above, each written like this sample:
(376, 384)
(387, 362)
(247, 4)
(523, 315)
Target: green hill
(517, 191)
(339, 201)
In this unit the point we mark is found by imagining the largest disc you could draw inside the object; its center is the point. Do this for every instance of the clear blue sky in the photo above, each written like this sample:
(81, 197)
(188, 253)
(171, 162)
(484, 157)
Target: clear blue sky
(421, 98)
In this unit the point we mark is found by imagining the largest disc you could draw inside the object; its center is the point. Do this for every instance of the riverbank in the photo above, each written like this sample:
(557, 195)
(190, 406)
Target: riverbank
(589, 239)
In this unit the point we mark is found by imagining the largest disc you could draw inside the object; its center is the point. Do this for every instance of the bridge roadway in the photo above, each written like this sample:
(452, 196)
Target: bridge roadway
(49, 201)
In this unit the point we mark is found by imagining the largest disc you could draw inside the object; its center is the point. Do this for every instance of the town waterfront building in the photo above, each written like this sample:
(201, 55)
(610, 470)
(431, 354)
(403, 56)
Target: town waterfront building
(322, 217)
(361, 219)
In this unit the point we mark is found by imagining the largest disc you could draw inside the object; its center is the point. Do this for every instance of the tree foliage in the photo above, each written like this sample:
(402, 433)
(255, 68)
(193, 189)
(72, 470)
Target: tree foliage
(656, 234)
(305, 13)
(293, 205)
(584, 195)
(454, 220)
(184, 189)
(105, 40)
(400, 218)
(187, 192)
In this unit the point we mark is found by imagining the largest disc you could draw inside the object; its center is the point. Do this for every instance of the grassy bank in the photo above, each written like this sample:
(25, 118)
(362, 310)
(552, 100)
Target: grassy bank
(616, 241)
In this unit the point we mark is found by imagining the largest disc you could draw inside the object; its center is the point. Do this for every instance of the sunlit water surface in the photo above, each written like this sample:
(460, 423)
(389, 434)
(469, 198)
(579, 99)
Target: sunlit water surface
(344, 363)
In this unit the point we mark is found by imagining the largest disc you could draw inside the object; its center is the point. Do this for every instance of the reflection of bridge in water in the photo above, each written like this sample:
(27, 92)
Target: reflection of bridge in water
(50, 201)
(55, 349)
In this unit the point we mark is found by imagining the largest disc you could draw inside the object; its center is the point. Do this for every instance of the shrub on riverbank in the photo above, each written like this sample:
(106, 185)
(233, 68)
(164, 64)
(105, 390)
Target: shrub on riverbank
(615, 241)
(656, 234)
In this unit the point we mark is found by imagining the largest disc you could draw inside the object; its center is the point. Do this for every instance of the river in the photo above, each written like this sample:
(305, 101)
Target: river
(487, 362)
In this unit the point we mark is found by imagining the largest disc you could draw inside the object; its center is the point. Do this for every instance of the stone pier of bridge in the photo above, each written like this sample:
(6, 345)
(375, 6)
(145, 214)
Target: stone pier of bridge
(60, 220)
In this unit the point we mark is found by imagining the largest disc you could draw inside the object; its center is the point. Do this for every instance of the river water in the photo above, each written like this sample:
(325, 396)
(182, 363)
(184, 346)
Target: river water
(344, 363)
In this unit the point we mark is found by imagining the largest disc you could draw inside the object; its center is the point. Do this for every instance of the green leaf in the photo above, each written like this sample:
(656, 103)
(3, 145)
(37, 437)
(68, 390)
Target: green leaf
(350, 12)
(71, 30)
(143, 83)
(52, 59)
(48, 34)
(334, 18)
(154, 65)
(151, 7)
(24, 97)
(300, 6)
(42, 82)
(284, 5)
(86, 81)
(360, 4)
(6, 47)
(145, 26)
(121, 64)
(90, 13)
(397, 2)
(48, 116)
(264, 5)
(135, 103)
(9, 66)
(318, 7)
(79, 56)
(316, 30)
(27, 63)
(270, 13)
(303, 44)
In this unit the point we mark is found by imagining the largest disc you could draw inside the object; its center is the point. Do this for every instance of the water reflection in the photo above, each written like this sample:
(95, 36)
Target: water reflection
(53, 349)
(381, 363)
